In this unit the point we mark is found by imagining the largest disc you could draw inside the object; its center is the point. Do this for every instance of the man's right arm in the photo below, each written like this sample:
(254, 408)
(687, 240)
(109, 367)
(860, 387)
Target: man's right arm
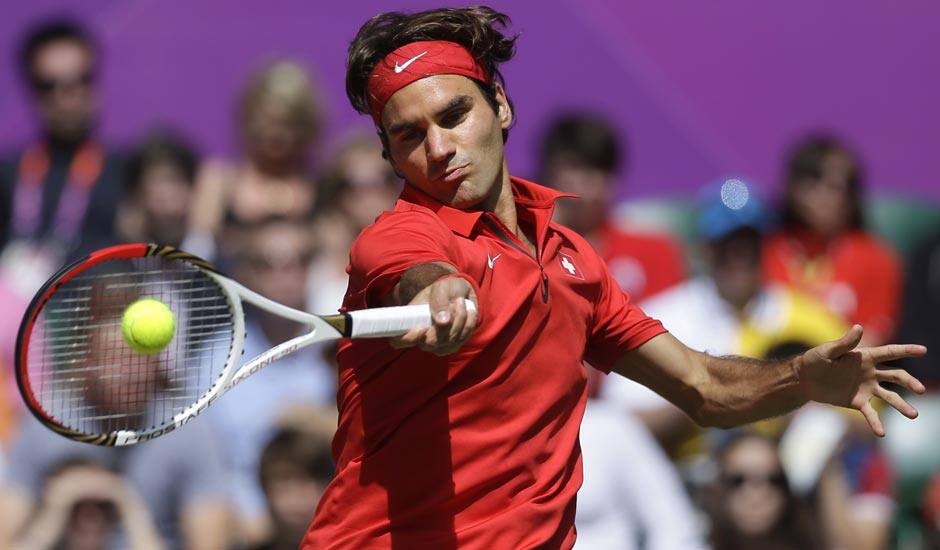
(411, 258)
(415, 280)
(436, 284)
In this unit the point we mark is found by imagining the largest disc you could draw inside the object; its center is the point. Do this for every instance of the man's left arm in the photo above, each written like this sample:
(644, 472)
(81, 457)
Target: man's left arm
(729, 391)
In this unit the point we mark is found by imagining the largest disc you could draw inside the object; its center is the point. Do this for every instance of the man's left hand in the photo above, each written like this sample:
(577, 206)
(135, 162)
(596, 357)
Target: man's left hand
(841, 374)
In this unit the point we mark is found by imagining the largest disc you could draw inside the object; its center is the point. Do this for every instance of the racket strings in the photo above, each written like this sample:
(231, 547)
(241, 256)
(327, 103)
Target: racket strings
(85, 375)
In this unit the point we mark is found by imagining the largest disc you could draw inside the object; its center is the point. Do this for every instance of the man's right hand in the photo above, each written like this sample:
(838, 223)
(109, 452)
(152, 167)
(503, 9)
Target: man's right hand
(452, 324)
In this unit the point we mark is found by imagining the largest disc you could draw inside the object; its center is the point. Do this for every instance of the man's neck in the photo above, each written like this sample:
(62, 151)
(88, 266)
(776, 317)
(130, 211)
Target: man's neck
(504, 208)
(501, 201)
(739, 304)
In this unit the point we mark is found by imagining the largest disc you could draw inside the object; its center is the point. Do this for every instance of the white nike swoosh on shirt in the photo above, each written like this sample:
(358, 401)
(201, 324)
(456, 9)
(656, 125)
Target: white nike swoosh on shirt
(491, 261)
(400, 68)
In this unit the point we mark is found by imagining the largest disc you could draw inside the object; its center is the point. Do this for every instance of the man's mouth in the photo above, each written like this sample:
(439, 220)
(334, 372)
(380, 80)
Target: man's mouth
(454, 174)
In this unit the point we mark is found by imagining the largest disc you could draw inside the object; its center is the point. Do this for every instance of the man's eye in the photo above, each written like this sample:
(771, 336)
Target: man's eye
(409, 135)
(453, 118)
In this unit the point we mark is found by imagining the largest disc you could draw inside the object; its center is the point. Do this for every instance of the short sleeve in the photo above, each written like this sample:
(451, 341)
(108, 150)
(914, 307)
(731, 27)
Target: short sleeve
(385, 250)
(619, 325)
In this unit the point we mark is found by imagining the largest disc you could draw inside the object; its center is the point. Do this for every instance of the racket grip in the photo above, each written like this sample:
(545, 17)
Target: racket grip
(392, 321)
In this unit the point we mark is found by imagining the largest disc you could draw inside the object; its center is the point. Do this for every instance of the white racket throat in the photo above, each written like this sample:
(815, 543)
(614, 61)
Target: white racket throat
(367, 323)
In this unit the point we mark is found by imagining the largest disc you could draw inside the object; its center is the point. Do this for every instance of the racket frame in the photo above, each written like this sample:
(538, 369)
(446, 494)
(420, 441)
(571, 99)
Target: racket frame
(367, 323)
(322, 328)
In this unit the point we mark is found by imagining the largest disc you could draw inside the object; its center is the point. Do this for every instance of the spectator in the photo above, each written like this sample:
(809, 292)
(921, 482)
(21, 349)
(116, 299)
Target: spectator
(185, 491)
(360, 183)
(823, 247)
(85, 506)
(10, 401)
(355, 189)
(744, 316)
(643, 505)
(58, 196)
(581, 155)
(931, 515)
(279, 119)
(273, 260)
(920, 319)
(8, 397)
(752, 505)
(855, 496)
(161, 174)
(834, 458)
(295, 468)
(921, 313)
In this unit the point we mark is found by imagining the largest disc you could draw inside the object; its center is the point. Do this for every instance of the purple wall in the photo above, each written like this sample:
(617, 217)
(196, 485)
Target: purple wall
(702, 89)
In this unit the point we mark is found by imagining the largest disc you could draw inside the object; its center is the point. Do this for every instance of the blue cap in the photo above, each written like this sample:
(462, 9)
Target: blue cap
(729, 206)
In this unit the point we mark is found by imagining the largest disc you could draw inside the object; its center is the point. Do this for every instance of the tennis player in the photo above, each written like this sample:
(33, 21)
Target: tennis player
(465, 434)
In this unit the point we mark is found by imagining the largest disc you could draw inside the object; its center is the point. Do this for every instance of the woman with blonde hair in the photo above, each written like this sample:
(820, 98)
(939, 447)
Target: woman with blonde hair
(279, 118)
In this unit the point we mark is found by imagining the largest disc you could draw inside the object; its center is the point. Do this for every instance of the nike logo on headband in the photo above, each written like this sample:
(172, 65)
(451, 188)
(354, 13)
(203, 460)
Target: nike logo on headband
(400, 68)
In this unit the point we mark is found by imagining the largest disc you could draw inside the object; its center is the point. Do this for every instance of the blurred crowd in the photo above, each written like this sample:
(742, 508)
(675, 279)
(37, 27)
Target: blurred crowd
(746, 277)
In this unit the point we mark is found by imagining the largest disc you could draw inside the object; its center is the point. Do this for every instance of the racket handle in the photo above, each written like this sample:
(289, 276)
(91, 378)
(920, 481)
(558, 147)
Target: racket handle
(393, 321)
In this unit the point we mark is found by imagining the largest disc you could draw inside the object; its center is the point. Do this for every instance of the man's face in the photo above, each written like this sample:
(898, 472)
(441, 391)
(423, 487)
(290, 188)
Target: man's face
(824, 203)
(755, 488)
(273, 135)
(445, 139)
(592, 187)
(276, 262)
(109, 372)
(165, 195)
(293, 496)
(736, 266)
(62, 74)
(372, 185)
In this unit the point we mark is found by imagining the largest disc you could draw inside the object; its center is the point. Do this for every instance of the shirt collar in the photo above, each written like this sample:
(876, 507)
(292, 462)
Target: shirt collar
(528, 196)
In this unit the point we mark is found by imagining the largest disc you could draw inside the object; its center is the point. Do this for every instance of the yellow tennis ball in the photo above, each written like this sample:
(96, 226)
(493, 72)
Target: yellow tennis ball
(148, 326)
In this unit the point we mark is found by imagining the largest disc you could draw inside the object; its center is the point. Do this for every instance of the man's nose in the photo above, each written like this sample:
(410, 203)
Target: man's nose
(438, 144)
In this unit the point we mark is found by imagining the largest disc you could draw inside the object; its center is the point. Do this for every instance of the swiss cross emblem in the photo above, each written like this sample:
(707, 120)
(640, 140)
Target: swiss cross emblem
(569, 267)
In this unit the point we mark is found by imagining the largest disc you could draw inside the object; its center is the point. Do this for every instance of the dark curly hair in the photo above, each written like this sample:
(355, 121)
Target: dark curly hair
(473, 28)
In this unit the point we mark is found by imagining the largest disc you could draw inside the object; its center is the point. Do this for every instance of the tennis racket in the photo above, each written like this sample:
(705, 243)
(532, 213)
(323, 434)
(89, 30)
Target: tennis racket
(82, 380)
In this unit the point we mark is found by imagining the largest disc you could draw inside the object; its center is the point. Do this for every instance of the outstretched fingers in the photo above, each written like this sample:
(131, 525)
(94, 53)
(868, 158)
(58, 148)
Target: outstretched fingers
(893, 352)
(845, 344)
(873, 420)
(902, 378)
(896, 401)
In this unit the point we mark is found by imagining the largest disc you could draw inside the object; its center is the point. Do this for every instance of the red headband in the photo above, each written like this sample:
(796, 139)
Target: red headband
(417, 60)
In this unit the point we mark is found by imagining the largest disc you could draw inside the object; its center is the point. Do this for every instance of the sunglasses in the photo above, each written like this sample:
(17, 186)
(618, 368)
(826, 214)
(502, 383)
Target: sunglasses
(263, 262)
(737, 480)
(46, 86)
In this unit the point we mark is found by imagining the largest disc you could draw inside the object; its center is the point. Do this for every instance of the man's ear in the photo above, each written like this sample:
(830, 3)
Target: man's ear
(388, 156)
(503, 111)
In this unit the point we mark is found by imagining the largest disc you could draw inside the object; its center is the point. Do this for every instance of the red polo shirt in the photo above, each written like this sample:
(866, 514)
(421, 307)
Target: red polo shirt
(478, 449)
